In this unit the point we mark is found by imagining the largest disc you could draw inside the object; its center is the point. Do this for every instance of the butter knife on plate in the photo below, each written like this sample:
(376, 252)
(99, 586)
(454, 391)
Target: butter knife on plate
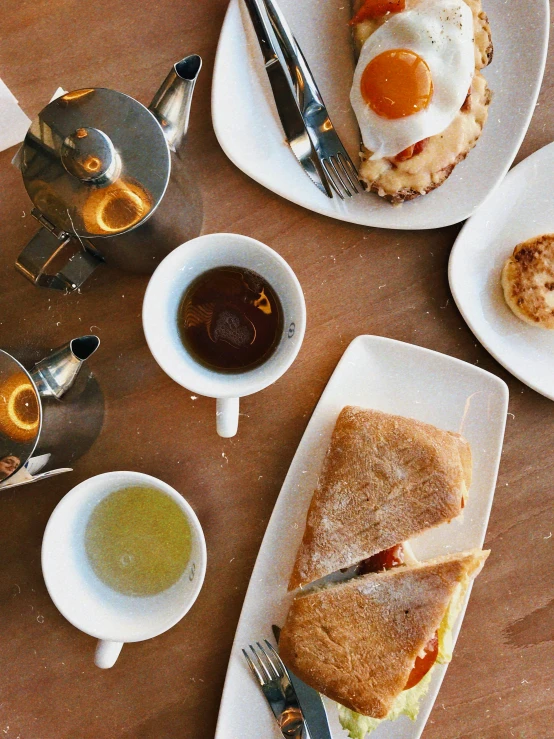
(310, 701)
(292, 121)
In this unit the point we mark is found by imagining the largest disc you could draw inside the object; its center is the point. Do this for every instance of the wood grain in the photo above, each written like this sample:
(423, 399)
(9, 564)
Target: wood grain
(356, 280)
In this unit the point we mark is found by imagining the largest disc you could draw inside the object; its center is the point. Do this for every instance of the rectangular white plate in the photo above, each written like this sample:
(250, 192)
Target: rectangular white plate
(248, 128)
(391, 376)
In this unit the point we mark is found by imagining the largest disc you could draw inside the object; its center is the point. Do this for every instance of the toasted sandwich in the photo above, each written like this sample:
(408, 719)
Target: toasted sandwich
(371, 643)
(385, 479)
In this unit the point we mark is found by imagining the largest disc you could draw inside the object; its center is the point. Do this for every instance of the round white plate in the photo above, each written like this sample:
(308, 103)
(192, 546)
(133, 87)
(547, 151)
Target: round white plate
(248, 128)
(520, 208)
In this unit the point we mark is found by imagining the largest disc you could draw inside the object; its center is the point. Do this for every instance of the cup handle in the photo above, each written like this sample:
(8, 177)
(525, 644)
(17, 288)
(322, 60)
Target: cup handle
(107, 653)
(227, 416)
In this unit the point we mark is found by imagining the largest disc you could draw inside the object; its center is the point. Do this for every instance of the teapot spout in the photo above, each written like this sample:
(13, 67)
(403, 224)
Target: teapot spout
(171, 104)
(55, 374)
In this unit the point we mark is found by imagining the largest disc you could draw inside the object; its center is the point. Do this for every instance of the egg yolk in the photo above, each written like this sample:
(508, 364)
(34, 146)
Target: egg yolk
(397, 83)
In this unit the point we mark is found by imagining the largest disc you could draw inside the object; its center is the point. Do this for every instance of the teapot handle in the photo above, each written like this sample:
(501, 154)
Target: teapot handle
(49, 244)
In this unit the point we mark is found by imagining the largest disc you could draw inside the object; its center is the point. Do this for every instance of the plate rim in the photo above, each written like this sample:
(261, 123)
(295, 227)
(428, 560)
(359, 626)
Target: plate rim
(337, 214)
(458, 250)
(406, 346)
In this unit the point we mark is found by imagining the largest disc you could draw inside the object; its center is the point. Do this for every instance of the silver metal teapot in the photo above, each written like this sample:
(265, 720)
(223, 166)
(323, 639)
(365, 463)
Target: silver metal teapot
(29, 416)
(97, 165)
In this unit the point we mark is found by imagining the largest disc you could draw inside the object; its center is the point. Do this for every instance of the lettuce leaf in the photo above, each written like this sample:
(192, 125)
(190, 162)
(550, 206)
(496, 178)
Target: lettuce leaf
(448, 620)
(407, 702)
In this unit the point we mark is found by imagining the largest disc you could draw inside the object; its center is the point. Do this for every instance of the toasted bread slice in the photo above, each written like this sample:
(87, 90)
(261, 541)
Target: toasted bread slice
(528, 281)
(357, 642)
(398, 181)
(385, 479)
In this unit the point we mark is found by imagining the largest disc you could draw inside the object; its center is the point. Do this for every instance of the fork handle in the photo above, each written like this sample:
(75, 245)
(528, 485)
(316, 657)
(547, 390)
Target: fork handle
(295, 727)
(302, 732)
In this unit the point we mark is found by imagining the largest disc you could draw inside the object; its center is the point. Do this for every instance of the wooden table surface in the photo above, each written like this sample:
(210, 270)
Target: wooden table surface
(501, 682)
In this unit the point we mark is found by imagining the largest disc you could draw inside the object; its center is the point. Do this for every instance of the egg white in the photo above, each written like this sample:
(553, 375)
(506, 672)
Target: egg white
(441, 33)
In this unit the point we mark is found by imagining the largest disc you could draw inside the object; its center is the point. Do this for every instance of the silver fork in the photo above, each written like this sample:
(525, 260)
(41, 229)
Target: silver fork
(271, 674)
(339, 168)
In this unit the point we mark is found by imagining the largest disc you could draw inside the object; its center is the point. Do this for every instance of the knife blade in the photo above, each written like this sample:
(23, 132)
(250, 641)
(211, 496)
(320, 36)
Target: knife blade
(296, 134)
(311, 703)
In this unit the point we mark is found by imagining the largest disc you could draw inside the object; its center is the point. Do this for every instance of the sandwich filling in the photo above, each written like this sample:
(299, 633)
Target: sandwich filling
(388, 559)
(407, 703)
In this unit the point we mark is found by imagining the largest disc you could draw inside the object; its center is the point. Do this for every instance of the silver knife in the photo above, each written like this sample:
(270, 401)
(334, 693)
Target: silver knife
(313, 708)
(308, 97)
(287, 107)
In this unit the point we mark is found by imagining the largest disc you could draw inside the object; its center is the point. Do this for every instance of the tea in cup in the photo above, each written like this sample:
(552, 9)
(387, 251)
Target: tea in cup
(224, 316)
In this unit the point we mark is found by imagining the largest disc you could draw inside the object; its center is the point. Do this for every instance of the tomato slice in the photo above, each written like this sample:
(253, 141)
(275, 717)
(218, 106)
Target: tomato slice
(385, 560)
(411, 151)
(376, 8)
(423, 664)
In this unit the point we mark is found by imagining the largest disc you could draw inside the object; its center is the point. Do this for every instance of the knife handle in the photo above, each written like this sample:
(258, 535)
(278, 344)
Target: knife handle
(301, 75)
(263, 32)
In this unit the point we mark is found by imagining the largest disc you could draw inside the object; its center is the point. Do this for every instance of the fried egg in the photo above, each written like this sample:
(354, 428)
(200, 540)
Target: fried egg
(413, 75)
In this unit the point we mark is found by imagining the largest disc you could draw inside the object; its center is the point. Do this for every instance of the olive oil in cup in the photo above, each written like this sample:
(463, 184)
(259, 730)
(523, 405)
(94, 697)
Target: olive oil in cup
(138, 541)
(123, 558)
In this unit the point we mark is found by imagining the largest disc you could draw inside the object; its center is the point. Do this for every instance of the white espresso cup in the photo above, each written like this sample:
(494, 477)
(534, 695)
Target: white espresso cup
(161, 305)
(89, 604)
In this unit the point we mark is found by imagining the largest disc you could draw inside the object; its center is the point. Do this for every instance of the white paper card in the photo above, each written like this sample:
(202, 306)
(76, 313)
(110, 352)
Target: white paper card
(14, 124)
(16, 161)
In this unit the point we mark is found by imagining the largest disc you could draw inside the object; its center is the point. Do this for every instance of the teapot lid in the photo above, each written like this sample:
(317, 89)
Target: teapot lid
(95, 162)
(20, 415)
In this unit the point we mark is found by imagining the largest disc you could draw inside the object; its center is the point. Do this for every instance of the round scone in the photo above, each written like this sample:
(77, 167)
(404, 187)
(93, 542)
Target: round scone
(528, 281)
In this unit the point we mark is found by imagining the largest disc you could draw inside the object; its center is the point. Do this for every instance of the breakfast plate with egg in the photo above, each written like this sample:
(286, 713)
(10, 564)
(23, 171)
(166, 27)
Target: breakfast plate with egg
(501, 272)
(432, 117)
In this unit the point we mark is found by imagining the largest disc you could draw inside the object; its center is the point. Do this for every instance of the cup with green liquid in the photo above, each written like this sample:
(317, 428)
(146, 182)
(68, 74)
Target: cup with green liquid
(123, 558)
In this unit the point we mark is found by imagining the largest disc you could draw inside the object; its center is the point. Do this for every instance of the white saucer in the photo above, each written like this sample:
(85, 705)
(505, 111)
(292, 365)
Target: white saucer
(520, 208)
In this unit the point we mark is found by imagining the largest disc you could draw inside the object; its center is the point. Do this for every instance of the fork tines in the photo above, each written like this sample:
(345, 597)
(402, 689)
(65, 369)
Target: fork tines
(267, 667)
(342, 174)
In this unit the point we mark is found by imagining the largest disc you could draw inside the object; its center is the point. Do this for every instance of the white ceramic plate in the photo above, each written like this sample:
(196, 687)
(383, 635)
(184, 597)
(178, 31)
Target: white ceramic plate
(248, 128)
(520, 208)
(391, 376)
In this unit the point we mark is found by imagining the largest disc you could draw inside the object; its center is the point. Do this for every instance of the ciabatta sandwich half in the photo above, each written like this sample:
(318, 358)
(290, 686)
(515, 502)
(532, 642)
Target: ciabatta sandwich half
(371, 643)
(385, 479)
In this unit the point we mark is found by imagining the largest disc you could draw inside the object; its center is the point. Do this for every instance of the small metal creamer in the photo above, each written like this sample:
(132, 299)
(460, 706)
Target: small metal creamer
(97, 165)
